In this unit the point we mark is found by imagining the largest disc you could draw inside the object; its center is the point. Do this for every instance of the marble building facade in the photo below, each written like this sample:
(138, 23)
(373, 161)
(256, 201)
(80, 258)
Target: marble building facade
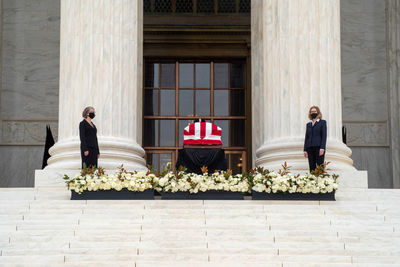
(30, 53)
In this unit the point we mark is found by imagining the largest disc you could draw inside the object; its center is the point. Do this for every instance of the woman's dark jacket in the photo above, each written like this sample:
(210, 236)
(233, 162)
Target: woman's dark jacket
(88, 136)
(315, 135)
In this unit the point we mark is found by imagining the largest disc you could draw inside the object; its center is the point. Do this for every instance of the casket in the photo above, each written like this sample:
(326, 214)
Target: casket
(202, 133)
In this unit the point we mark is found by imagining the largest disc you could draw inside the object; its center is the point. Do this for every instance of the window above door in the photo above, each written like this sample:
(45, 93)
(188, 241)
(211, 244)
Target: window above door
(196, 7)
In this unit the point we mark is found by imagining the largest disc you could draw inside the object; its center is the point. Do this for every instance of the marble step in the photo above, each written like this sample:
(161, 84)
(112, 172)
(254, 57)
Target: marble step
(54, 221)
(292, 264)
(266, 264)
(178, 257)
(7, 196)
(220, 251)
(345, 221)
(136, 235)
(82, 213)
(365, 251)
(66, 251)
(209, 208)
(250, 244)
(223, 260)
(163, 220)
(26, 260)
(368, 238)
(189, 224)
(288, 238)
(161, 264)
(309, 260)
(267, 232)
(207, 264)
(46, 225)
(204, 264)
(377, 259)
(251, 251)
(53, 195)
(280, 258)
(15, 217)
(335, 228)
(280, 241)
(14, 251)
(208, 234)
(74, 264)
(8, 228)
(80, 216)
(188, 259)
(41, 232)
(83, 230)
(14, 212)
(47, 242)
(68, 238)
(266, 205)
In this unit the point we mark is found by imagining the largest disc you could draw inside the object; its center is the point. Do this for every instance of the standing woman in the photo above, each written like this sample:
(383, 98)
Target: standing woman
(88, 134)
(315, 141)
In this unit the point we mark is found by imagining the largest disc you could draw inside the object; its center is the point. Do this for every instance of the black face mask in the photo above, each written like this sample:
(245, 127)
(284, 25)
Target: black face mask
(314, 115)
(92, 115)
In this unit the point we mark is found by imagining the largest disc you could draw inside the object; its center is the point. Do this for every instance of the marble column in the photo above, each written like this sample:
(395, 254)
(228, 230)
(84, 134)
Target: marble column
(295, 64)
(393, 63)
(101, 66)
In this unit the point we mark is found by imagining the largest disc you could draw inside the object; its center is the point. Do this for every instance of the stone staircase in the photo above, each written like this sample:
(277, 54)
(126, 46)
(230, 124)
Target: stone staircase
(42, 227)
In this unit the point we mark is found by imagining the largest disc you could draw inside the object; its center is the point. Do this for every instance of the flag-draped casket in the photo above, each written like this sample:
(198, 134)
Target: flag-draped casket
(202, 133)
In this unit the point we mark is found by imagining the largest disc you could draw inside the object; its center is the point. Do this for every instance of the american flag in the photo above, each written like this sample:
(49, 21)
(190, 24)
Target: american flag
(202, 133)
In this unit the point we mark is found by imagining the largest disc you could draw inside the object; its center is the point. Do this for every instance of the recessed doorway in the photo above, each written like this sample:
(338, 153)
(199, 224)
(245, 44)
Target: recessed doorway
(196, 65)
(177, 92)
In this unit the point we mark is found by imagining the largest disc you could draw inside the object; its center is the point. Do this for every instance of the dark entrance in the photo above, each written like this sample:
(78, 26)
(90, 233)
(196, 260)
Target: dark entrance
(197, 65)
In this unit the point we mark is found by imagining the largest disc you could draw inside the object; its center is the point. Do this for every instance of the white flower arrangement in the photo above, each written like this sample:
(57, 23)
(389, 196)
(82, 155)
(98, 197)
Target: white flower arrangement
(194, 183)
(319, 181)
(97, 179)
(258, 180)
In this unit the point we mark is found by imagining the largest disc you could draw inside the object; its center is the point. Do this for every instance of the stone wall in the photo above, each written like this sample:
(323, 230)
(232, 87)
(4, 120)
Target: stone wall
(29, 88)
(365, 88)
(393, 66)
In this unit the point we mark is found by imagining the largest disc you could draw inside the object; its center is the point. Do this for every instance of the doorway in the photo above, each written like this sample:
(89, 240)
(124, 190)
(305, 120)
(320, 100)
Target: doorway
(178, 92)
(196, 65)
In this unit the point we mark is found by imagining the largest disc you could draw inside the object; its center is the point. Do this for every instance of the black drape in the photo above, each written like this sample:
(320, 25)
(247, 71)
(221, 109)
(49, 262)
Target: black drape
(195, 158)
(49, 143)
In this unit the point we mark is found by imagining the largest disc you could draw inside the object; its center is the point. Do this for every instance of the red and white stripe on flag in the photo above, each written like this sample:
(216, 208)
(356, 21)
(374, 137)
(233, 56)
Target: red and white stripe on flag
(202, 133)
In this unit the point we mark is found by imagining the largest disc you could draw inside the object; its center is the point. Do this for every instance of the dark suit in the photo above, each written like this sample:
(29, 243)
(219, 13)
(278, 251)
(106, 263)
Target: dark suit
(314, 141)
(88, 136)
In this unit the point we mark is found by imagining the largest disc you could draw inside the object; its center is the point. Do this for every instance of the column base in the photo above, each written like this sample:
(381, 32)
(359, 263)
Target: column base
(273, 154)
(65, 155)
